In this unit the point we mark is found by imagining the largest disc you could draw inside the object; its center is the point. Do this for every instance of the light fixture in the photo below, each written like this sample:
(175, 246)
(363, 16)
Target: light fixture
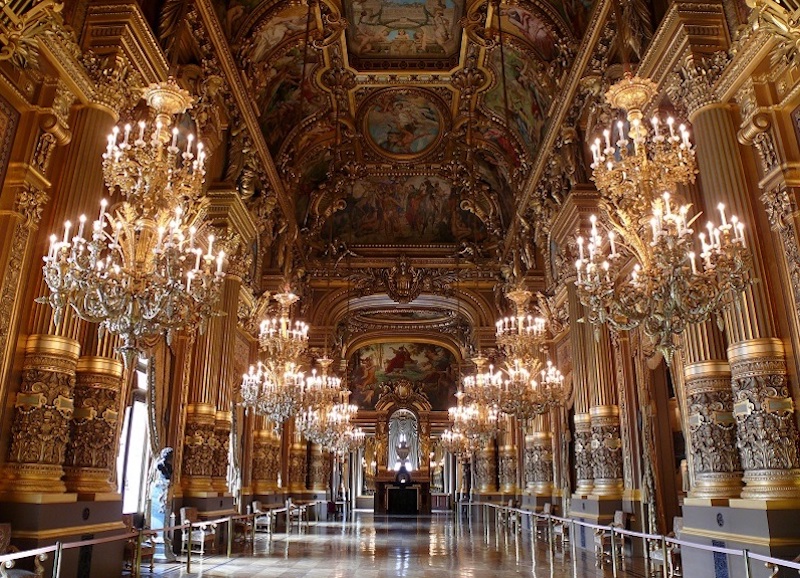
(276, 387)
(485, 386)
(477, 421)
(647, 270)
(521, 335)
(454, 442)
(138, 269)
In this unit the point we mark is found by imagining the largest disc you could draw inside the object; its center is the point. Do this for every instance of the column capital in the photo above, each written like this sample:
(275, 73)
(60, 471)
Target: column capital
(692, 85)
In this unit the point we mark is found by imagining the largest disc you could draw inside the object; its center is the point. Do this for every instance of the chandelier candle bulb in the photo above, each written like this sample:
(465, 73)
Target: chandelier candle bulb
(694, 265)
(721, 208)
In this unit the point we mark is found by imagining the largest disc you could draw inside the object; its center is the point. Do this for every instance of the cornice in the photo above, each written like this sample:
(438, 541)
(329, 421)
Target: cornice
(696, 27)
(580, 203)
(747, 57)
(70, 71)
(240, 95)
(560, 109)
(116, 26)
(227, 205)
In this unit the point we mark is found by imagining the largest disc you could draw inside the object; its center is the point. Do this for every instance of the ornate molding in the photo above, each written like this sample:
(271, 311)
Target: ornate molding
(403, 282)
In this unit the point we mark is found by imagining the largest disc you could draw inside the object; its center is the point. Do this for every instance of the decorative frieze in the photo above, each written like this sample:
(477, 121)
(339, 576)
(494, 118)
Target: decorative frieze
(91, 452)
(486, 469)
(43, 409)
(764, 412)
(712, 430)
(584, 463)
(298, 467)
(606, 450)
(508, 469)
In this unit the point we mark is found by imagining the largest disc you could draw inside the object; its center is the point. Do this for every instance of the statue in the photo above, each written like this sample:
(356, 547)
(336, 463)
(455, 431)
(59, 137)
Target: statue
(161, 505)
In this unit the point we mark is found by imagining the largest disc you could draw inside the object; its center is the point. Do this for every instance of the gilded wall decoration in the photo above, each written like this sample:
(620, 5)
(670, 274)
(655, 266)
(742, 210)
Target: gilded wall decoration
(584, 466)
(712, 427)
(94, 424)
(779, 204)
(298, 466)
(606, 451)
(221, 448)
(423, 34)
(432, 367)
(403, 124)
(198, 449)
(9, 118)
(44, 407)
(486, 469)
(507, 468)
(540, 455)
(764, 412)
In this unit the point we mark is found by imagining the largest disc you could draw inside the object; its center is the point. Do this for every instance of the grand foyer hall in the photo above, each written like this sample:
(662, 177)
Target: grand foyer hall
(533, 260)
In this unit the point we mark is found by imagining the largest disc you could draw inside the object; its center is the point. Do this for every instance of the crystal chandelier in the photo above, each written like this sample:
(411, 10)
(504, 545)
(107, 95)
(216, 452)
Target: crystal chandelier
(321, 389)
(477, 421)
(671, 283)
(520, 394)
(276, 387)
(275, 395)
(138, 270)
(485, 387)
(331, 426)
(521, 335)
(454, 442)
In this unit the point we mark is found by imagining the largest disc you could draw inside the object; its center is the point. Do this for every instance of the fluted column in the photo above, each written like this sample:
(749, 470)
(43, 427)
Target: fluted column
(94, 430)
(42, 412)
(715, 466)
(507, 458)
(542, 456)
(298, 463)
(584, 470)
(486, 469)
(319, 468)
(266, 458)
(604, 414)
(763, 408)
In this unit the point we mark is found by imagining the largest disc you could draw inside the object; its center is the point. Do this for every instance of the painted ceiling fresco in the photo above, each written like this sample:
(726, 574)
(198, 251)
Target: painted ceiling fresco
(407, 29)
(433, 367)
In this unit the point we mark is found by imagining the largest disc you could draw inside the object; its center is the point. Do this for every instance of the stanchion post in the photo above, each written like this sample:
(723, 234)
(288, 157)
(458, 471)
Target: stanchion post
(746, 555)
(253, 535)
(188, 547)
(137, 559)
(664, 568)
(57, 560)
(574, 549)
(613, 553)
(230, 535)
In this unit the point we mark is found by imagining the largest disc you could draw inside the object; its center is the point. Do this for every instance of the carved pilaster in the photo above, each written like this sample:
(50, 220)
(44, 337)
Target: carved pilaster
(542, 463)
(508, 469)
(486, 469)
(584, 467)
(298, 466)
(319, 469)
(198, 450)
(42, 412)
(222, 442)
(606, 451)
(780, 206)
(712, 430)
(764, 412)
(266, 462)
(92, 449)
(531, 458)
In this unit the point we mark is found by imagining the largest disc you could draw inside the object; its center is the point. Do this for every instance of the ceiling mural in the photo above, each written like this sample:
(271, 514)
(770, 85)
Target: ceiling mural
(404, 210)
(403, 123)
(412, 30)
(433, 367)
(527, 102)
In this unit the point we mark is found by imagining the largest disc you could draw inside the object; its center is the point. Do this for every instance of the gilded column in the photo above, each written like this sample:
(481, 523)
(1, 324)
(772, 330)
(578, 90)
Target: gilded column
(507, 459)
(318, 469)
(715, 466)
(764, 411)
(42, 411)
(584, 469)
(298, 463)
(530, 458)
(94, 430)
(542, 456)
(604, 414)
(266, 458)
(486, 469)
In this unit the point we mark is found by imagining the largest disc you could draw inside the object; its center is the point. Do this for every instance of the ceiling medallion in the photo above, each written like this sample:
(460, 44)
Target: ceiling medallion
(403, 124)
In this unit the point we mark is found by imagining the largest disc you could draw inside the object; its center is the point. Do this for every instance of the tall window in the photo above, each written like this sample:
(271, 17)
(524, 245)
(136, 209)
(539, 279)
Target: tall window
(134, 455)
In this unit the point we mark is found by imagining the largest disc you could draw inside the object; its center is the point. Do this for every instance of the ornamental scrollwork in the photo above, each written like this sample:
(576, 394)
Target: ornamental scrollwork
(764, 412)
(607, 452)
(712, 427)
(198, 449)
(94, 423)
(43, 409)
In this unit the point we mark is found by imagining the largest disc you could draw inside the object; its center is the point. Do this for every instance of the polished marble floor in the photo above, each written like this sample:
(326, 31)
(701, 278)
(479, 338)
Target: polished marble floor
(375, 546)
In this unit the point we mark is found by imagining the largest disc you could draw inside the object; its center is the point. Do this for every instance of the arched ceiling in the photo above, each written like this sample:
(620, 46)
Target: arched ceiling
(390, 149)
(394, 125)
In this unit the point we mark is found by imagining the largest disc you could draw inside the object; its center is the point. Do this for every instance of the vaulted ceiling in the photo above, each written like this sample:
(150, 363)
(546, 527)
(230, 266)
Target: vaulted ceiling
(399, 154)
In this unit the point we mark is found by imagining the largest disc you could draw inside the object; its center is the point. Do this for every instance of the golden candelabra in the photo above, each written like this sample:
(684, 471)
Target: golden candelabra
(521, 335)
(478, 422)
(671, 284)
(138, 269)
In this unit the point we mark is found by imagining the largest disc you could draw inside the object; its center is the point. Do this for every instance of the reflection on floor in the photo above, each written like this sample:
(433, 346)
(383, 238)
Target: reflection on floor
(377, 546)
